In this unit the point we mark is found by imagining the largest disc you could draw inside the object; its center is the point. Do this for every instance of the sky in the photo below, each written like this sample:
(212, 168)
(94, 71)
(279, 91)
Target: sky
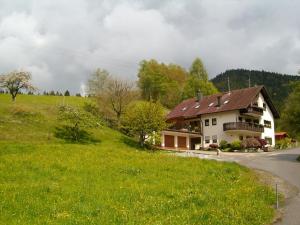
(61, 42)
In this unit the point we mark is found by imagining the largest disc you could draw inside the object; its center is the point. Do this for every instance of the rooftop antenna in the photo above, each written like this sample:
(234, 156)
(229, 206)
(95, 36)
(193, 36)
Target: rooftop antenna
(228, 83)
(249, 80)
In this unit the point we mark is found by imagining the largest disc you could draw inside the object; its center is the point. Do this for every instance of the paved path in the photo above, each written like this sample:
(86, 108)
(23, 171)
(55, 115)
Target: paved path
(282, 164)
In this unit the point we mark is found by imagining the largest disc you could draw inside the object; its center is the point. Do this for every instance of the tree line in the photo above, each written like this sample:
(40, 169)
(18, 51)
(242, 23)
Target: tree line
(139, 108)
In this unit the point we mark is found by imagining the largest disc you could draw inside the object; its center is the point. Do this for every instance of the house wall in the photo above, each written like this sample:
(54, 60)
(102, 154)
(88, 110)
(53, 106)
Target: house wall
(212, 130)
(232, 116)
(268, 115)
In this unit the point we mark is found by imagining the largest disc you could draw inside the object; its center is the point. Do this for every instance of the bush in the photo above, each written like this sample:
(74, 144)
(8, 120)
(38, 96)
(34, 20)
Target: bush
(283, 143)
(92, 108)
(74, 123)
(298, 158)
(223, 144)
(251, 143)
(236, 145)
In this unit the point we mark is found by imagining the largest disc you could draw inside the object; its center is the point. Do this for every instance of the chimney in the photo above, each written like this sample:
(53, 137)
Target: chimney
(198, 96)
(218, 101)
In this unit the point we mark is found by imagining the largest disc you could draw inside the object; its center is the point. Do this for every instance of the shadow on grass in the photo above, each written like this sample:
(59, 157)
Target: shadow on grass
(70, 136)
(129, 141)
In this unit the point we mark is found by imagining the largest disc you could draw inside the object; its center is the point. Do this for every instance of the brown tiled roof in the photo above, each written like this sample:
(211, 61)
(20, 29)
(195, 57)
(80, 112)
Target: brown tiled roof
(234, 100)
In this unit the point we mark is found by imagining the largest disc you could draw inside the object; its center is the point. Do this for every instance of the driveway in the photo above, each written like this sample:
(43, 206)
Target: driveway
(282, 164)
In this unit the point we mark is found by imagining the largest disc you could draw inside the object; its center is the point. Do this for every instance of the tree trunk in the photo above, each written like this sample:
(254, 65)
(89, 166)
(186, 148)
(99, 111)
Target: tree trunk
(142, 140)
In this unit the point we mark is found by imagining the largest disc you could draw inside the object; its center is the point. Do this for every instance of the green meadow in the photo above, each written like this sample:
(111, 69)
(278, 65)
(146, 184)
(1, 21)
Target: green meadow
(44, 180)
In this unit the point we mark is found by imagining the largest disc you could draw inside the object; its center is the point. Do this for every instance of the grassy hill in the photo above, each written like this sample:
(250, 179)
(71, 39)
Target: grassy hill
(44, 180)
(276, 84)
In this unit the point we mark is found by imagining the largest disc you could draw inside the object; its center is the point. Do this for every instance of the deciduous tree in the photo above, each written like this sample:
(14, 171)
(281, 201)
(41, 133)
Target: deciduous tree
(112, 94)
(97, 82)
(15, 82)
(158, 81)
(198, 70)
(290, 119)
(198, 80)
(143, 119)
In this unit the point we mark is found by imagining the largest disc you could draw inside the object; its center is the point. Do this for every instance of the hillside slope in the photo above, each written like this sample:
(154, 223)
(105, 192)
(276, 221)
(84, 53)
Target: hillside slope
(276, 84)
(44, 180)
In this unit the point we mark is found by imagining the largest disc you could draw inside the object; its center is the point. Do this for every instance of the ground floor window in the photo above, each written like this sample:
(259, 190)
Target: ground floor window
(241, 138)
(215, 139)
(207, 139)
(269, 140)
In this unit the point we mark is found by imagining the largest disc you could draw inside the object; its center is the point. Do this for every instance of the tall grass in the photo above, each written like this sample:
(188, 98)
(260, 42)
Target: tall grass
(46, 181)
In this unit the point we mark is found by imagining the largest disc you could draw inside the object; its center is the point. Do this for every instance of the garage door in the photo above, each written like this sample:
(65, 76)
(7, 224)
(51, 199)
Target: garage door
(169, 141)
(181, 142)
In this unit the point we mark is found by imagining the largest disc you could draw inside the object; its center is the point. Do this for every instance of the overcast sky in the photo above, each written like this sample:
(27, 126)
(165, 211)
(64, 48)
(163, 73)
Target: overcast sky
(61, 41)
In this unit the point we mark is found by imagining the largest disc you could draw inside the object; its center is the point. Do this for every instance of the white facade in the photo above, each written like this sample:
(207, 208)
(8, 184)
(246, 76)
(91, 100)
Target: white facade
(217, 130)
(244, 125)
(269, 132)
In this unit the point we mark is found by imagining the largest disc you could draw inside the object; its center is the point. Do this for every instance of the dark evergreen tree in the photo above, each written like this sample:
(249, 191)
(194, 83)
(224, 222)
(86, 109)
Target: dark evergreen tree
(67, 93)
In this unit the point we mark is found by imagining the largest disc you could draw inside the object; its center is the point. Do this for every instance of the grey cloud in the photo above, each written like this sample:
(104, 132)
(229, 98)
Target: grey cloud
(62, 41)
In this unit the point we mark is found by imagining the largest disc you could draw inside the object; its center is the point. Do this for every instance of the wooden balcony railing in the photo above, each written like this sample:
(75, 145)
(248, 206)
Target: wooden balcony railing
(253, 110)
(185, 129)
(243, 126)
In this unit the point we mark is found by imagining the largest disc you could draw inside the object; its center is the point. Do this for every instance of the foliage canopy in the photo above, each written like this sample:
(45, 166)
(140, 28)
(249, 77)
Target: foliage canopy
(15, 82)
(144, 119)
(290, 119)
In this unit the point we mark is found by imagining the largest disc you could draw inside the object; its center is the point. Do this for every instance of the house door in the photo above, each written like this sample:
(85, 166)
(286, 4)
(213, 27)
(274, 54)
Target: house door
(181, 142)
(169, 141)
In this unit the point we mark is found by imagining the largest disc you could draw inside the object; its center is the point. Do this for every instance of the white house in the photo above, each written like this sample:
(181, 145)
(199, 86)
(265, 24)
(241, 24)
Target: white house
(236, 115)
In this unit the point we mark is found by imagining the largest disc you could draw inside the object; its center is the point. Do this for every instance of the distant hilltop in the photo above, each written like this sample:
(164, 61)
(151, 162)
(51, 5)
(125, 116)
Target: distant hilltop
(278, 85)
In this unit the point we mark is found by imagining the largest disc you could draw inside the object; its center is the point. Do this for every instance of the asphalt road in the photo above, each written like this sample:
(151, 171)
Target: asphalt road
(284, 165)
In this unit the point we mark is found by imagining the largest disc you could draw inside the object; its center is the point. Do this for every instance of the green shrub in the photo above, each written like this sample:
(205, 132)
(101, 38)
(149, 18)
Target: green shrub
(298, 158)
(223, 144)
(236, 145)
(74, 123)
(227, 150)
(283, 143)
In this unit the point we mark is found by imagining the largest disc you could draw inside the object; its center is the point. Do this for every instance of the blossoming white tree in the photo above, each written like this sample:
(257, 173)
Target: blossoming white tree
(16, 81)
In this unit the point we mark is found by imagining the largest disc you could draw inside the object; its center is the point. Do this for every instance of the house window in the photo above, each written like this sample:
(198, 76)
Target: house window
(269, 140)
(256, 121)
(265, 106)
(207, 139)
(215, 139)
(207, 122)
(240, 119)
(214, 121)
(241, 138)
(267, 123)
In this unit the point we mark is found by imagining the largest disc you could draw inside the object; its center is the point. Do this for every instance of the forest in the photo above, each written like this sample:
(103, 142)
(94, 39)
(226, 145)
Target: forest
(278, 85)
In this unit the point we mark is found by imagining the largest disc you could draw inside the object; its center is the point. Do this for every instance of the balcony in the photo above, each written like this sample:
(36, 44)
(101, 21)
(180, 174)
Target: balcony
(185, 129)
(252, 111)
(243, 126)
